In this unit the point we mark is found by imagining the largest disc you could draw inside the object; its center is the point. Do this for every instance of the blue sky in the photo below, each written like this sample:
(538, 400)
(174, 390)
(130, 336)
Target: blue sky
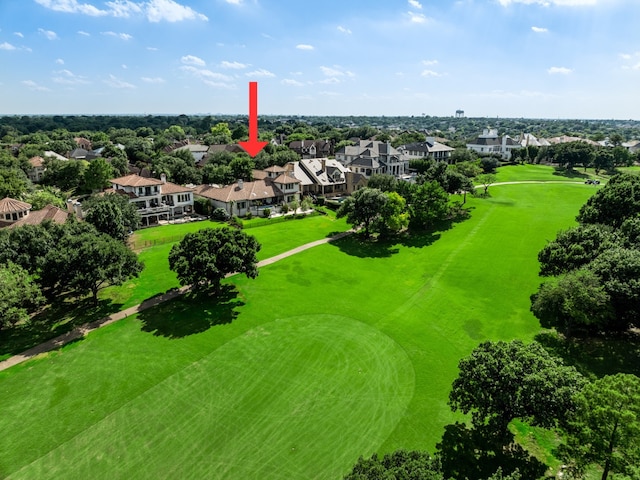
(507, 58)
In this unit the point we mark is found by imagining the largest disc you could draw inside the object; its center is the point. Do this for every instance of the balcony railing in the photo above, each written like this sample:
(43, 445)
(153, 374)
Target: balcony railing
(153, 210)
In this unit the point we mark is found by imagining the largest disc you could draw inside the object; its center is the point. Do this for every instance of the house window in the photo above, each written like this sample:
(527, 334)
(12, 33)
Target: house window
(242, 204)
(184, 198)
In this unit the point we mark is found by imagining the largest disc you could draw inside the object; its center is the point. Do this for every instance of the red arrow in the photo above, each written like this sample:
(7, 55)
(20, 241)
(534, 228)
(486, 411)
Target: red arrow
(253, 146)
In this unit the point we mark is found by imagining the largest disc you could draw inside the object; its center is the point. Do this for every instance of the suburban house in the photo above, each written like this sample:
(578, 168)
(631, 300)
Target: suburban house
(197, 150)
(369, 157)
(633, 146)
(37, 169)
(312, 148)
(155, 199)
(275, 187)
(491, 143)
(12, 210)
(427, 149)
(51, 213)
(324, 176)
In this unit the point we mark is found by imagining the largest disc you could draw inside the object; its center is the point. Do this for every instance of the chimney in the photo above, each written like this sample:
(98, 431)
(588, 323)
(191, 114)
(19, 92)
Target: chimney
(163, 178)
(324, 164)
(240, 184)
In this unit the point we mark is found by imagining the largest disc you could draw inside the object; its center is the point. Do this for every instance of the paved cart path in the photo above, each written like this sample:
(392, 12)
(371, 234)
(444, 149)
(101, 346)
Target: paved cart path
(83, 330)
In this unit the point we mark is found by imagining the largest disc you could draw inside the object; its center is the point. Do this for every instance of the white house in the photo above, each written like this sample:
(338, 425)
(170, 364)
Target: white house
(430, 148)
(491, 143)
(155, 199)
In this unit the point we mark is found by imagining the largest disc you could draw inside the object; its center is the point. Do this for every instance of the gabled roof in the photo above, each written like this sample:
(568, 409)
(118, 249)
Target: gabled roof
(49, 212)
(285, 178)
(275, 169)
(169, 188)
(36, 162)
(256, 190)
(135, 181)
(321, 171)
(11, 205)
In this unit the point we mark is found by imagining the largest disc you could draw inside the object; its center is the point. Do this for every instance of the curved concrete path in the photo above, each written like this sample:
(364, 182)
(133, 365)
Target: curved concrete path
(83, 330)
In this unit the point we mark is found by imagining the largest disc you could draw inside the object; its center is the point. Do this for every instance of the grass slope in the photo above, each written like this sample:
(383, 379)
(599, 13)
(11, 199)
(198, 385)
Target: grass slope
(178, 389)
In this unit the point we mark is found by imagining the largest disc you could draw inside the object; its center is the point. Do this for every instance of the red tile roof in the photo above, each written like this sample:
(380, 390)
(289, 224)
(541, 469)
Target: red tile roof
(49, 212)
(135, 181)
(10, 205)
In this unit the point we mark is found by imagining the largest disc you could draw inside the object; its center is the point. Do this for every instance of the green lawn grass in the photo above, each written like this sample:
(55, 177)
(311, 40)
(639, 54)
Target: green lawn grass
(339, 351)
(544, 173)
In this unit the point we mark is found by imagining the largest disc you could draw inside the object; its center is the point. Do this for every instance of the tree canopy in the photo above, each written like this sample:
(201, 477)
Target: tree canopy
(503, 381)
(112, 214)
(605, 426)
(205, 257)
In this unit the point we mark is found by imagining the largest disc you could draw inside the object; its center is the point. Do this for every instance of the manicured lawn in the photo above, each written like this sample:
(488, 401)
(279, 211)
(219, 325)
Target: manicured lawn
(339, 351)
(544, 173)
(156, 278)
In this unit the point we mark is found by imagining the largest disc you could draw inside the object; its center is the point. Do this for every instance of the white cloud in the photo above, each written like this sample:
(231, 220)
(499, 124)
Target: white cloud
(546, 3)
(234, 65)
(344, 30)
(170, 11)
(81, 32)
(154, 10)
(292, 83)
(430, 73)
(234, 2)
(540, 29)
(18, 34)
(59, 61)
(329, 81)
(152, 49)
(72, 6)
(122, 36)
(193, 60)
(115, 82)
(66, 77)
(417, 17)
(415, 4)
(152, 79)
(205, 75)
(336, 71)
(34, 86)
(428, 63)
(559, 71)
(124, 8)
(261, 72)
(304, 46)
(49, 34)
(6, 46)
(124, 67)
(625, 56)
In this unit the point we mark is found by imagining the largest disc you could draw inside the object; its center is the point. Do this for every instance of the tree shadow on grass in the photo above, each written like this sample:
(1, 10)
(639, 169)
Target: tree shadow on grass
(574, 174)
(596, 356)
(476, 453)
(60, 317)
(357, 245)
(194, 312)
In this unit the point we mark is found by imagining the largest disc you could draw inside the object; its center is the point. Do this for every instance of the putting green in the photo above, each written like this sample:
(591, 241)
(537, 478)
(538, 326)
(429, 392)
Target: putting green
(260, 406)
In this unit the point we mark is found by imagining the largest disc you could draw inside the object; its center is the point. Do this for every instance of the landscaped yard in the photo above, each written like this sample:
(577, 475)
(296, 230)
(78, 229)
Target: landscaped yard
(544, 173)
(339, 351)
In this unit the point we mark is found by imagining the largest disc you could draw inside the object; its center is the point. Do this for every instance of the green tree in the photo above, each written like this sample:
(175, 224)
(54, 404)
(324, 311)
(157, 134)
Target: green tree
(46, 196)
(19, 295)
(577, 301)
(574, 248)
(604, 429)
(486, 180)
(502, 381)
(428, 205)
(13, 182)
(393, 216)
(97, 175)
(618, 200)
(242, 168)
(384, 182)
(221, 134)
(467, 168)
(401, 464)
(90, 261)
(619, 271)
(112, 214)
(203, 258)
(364, 208)
(67, 175)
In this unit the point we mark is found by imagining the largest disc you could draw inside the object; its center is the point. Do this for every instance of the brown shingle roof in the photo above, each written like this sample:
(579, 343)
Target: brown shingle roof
(36, 162)
(49, 212)
(256, 190)
(285, 178)
(135, 181)
(275, 169)
(169, 187)
(10, 205)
